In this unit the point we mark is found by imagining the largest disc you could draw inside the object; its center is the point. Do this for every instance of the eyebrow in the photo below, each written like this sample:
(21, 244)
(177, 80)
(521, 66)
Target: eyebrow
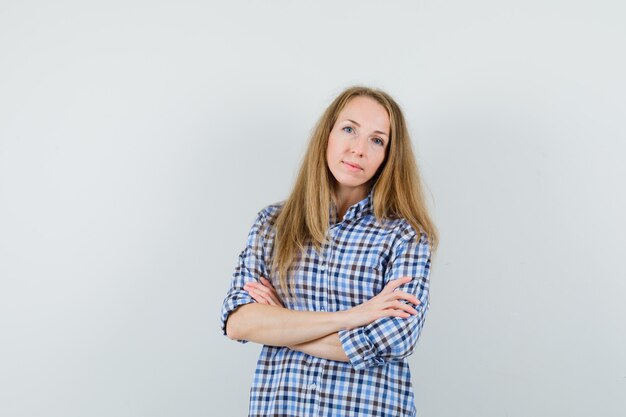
(359, 125)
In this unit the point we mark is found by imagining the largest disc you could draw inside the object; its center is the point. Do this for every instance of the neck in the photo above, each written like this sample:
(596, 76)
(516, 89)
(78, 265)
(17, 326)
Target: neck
(346, 198)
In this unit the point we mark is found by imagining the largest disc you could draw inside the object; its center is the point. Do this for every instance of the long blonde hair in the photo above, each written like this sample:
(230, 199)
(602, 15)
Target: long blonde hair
(305, 217)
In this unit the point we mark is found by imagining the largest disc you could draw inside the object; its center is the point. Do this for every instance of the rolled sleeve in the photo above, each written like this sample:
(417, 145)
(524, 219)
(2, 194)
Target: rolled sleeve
(251, 266)
(393, 338)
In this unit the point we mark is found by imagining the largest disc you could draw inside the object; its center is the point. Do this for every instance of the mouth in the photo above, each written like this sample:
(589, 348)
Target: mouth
(352, 166)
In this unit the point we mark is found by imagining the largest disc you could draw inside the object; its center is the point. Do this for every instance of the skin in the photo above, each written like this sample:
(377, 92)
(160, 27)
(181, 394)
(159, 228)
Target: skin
(314, 332)
(356, 149)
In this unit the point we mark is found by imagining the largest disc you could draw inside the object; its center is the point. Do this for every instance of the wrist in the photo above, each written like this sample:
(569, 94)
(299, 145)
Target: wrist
(343, 320)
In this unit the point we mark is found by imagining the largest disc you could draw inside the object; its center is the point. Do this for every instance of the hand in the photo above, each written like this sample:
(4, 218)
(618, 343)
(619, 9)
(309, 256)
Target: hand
(386, 304)
(263, 292)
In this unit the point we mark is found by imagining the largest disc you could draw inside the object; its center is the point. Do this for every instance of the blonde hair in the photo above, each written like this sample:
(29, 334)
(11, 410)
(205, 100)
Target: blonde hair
(305, 217)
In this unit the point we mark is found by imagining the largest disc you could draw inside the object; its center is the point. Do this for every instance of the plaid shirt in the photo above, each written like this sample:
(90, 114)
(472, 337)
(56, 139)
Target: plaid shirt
(361, 256)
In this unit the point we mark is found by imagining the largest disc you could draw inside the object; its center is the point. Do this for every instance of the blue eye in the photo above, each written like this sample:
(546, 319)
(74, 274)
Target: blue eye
(378, 141)
(348, 129)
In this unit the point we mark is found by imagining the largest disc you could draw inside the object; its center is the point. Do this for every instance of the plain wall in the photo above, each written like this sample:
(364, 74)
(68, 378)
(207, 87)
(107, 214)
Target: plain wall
(139, 139)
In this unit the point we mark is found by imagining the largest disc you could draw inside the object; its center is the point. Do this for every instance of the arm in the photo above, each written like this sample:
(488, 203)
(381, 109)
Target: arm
(277, 326)
(268, 323)
(250, 266)
(327, 347)
(390, 339)
(242, 319)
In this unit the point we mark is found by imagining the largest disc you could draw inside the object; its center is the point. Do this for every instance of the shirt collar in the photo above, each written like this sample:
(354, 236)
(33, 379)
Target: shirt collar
(359, 209)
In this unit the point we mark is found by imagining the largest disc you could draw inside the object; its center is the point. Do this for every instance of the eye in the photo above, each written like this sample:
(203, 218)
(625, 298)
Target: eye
(348, 129)
(378, 141)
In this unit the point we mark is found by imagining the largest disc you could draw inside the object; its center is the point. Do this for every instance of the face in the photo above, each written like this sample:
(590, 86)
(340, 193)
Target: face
(357, 144)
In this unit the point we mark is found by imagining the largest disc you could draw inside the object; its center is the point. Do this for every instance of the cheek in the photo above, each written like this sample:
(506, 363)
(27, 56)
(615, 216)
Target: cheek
(380, 157)
(329, 152)
(333, 147)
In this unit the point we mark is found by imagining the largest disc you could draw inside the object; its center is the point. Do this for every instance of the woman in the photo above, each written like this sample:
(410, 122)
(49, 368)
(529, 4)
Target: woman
(334, 282)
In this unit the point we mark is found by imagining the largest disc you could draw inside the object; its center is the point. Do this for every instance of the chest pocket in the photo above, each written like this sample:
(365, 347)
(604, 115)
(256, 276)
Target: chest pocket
(357, 280)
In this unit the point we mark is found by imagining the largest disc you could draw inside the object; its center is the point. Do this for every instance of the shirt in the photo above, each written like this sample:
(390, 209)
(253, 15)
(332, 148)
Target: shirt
(360, 257)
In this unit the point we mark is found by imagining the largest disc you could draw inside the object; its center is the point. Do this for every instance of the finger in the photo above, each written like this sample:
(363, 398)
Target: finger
(268, 296)
(397, 313)
(254, 288)
(258, 297)
(276, 300)
(266, 282)
(265, 290)
(402, 295)
(269, 291)
(395, 283)
(259, 287)
(392, 285)
(399, 305)
(254, 294)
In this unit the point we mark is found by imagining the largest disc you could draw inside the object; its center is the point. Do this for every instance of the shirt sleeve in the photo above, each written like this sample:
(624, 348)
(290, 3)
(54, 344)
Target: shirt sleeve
(394, 338)
(250, 267)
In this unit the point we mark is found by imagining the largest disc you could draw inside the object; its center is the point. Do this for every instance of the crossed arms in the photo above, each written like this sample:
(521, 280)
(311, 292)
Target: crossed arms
(381, 330)
(313, 332)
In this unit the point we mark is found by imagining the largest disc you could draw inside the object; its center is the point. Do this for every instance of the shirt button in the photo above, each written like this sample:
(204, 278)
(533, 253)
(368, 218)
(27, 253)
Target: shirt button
(312, 386)
(322, 309)
(323, 267)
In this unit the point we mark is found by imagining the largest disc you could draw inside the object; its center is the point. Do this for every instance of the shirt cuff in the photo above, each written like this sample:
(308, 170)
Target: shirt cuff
(359, 350)
(232, 303)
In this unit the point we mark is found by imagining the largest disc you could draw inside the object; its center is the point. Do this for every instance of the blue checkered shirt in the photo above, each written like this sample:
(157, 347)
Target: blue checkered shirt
(361, 256)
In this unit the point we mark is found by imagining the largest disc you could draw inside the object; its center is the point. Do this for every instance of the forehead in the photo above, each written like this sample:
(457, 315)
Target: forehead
(367, 112)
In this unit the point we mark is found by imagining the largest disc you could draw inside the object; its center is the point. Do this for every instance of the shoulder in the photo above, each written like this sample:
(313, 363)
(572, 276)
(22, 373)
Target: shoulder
(268, 214)
(263, 230)
(265, 220)
(405, 233)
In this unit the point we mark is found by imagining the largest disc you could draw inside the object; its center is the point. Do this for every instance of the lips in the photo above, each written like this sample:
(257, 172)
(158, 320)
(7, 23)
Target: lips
(353, 166)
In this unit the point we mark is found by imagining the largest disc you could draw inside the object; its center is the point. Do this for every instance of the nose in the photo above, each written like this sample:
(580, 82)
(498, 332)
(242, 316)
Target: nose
(357, 146)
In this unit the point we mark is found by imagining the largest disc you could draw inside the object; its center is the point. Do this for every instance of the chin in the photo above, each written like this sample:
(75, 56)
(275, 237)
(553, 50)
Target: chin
(352, 184)
(348, 180)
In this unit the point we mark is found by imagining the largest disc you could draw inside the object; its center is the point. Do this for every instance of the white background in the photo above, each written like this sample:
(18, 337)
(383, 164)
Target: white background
(139, 139)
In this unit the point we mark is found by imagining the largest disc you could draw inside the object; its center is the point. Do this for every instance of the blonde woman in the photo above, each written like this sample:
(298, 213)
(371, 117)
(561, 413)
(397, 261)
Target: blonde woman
(334, 282)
